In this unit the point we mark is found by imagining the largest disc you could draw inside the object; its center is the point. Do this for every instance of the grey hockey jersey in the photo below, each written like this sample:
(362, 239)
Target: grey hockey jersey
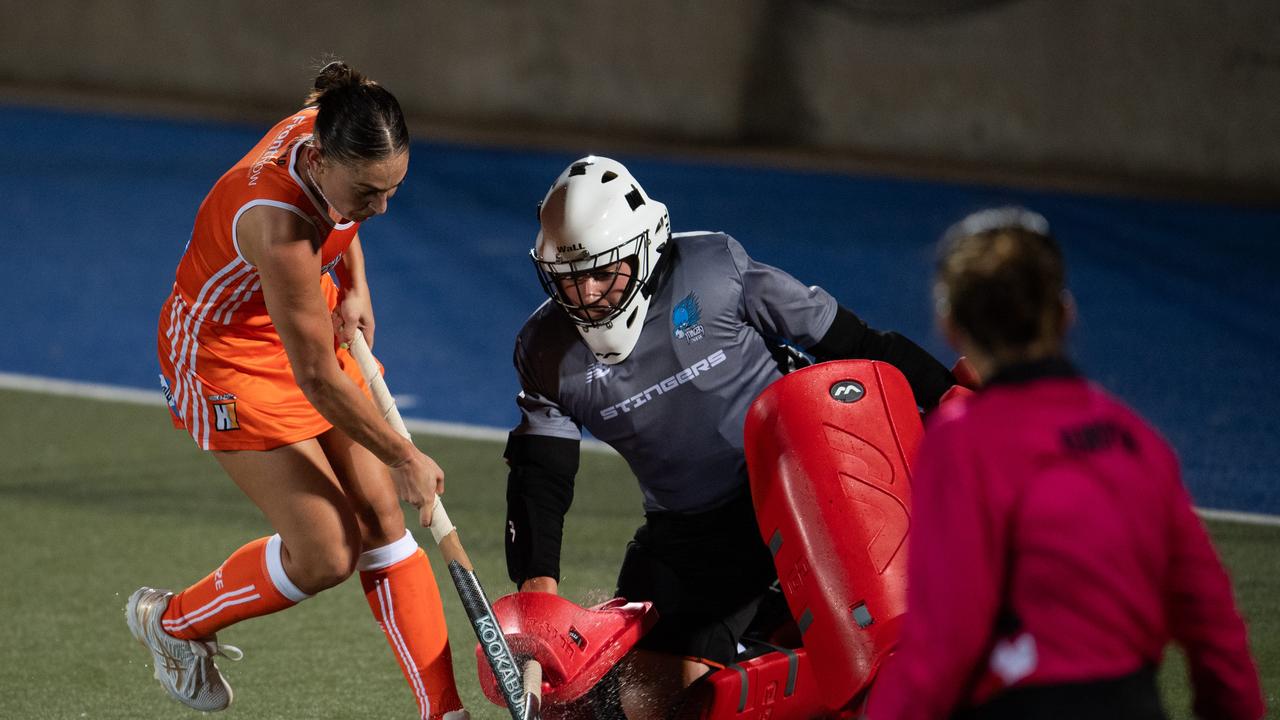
(674, 409)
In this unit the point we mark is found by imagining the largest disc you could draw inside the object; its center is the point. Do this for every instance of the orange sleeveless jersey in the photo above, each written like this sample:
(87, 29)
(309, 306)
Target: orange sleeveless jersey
(223, 366)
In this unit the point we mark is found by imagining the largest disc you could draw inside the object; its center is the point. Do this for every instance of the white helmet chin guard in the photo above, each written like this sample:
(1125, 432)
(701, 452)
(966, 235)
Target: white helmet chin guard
(597, 221)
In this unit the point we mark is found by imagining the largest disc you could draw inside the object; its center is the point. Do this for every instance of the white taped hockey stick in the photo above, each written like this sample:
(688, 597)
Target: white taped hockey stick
(521, 687)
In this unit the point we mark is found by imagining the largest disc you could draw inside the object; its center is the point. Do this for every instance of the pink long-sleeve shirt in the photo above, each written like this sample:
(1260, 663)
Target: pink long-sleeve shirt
(1052, 541)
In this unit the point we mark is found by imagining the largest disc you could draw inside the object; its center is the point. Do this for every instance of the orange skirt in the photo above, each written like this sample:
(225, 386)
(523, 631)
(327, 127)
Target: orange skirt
(232, 388)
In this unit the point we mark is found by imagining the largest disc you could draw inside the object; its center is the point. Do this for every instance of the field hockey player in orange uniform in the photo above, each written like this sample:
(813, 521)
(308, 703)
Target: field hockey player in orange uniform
(253, 363)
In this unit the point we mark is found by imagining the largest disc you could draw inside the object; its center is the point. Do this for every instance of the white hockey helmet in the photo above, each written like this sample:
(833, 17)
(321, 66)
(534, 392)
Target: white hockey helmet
(594, 217)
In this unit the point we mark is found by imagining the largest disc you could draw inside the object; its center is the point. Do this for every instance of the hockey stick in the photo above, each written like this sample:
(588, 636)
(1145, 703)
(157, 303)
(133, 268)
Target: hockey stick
(521, 687)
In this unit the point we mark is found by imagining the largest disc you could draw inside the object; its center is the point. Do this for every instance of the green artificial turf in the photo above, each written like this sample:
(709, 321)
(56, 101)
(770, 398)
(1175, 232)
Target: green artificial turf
(98, 498)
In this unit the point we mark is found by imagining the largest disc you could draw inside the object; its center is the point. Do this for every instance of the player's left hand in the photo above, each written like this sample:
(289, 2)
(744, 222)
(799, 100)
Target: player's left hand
(353, 312)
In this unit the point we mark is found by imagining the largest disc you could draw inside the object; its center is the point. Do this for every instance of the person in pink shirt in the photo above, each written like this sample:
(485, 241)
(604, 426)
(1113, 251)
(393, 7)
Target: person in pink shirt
(1054, 549)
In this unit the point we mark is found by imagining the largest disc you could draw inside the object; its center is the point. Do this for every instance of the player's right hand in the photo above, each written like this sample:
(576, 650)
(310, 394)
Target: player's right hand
(540, 584)
(418, 480)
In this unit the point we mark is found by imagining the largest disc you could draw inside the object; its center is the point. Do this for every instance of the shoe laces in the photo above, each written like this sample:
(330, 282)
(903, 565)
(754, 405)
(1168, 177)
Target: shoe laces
(209, 648)
(205, 651)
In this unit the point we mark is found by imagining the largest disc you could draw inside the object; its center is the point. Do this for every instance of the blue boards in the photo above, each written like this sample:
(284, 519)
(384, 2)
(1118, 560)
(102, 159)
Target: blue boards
(1178, 300)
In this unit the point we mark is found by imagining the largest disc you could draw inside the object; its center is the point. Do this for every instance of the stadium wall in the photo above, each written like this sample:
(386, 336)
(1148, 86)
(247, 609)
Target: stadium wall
(1162, 90)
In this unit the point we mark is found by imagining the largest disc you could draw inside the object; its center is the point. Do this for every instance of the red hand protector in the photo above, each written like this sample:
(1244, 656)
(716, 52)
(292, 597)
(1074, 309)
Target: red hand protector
(576, 646)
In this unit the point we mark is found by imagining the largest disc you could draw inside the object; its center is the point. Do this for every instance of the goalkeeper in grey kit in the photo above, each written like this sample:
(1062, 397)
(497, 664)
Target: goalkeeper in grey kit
(658, 343)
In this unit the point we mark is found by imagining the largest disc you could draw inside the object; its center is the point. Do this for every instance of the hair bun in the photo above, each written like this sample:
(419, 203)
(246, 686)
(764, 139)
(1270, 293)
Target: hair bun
(335, 74)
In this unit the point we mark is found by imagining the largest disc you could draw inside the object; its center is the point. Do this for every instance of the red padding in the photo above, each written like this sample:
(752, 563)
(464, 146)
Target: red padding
(576, 646)
(829, 452)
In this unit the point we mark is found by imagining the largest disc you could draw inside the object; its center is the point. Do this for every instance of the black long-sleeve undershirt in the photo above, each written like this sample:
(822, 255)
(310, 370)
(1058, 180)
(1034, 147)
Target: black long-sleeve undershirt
(849, 337)
(539, 493)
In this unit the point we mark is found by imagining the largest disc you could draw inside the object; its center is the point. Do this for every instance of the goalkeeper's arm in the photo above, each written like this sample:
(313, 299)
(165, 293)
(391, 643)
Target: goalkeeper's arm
(539, 493)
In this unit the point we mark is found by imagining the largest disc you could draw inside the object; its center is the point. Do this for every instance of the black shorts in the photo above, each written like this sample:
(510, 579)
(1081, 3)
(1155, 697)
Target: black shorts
(706, 573)
(1130, 697)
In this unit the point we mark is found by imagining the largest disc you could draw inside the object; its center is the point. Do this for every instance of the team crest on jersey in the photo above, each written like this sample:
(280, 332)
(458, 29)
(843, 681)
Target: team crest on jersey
(685, 319)
(224, 412)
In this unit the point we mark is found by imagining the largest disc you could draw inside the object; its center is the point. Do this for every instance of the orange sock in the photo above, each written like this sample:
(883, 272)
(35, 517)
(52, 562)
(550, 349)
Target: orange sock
(250, 583)
(402, 593)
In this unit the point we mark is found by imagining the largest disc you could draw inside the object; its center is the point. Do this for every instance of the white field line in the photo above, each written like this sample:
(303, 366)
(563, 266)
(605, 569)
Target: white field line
(134, 396)
(115, 393)
(1234, 516)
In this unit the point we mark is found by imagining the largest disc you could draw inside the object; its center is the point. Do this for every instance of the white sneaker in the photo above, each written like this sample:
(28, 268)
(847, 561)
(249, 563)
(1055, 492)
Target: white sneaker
(184, 667)
(457, 715)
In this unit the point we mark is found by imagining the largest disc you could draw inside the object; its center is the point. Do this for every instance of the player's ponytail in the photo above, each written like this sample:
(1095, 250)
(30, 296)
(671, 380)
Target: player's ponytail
(1001, 280)
(357, 119)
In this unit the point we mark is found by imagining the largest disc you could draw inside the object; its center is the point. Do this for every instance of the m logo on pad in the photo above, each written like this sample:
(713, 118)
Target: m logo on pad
(848, 391)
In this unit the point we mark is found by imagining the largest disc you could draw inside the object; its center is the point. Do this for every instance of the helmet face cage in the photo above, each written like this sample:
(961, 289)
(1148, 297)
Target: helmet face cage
(594, 218)
(556, 276)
